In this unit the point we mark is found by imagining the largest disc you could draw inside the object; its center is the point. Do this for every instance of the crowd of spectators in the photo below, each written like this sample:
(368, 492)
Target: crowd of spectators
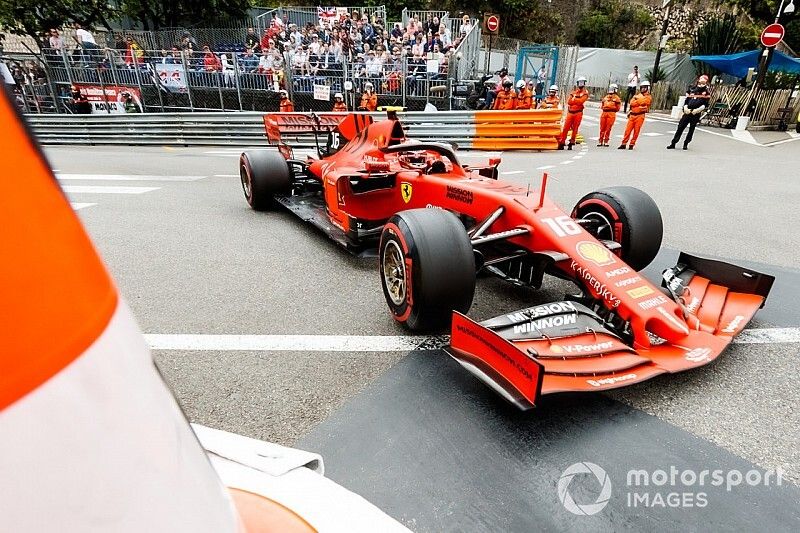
(365, 47)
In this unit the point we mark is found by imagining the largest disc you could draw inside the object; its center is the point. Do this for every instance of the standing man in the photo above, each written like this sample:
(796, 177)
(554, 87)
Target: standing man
(640, 104)
(504, 101)
(633, 83)
(286, 105)
(551, 100)
(697, 97)
(524, 95)
(610, 104)
(541, 79)
(575, 102)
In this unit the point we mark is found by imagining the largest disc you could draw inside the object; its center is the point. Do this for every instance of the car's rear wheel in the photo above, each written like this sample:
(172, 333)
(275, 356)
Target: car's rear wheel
(427, 268)
(628, 216)
(263, 174)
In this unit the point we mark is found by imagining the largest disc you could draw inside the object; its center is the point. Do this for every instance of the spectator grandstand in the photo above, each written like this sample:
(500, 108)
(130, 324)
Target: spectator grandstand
(311, 53)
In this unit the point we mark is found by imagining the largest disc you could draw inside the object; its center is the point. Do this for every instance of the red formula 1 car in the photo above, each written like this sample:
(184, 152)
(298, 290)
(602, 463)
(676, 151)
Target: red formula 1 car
(437, 223)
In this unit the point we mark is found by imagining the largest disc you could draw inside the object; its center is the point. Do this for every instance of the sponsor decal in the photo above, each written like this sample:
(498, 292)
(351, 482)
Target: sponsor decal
(542, 310)
(640, 292)
(693, 305)
(584, 348)
(547, 322)
(405, 191)
(698, 354)
(431, 206)
(600, 289)
(617, 272)
(516, 365)
(610, 381)
(733, 325)
(653, 302)
(459, 195)
(628, 281)
(594, 252)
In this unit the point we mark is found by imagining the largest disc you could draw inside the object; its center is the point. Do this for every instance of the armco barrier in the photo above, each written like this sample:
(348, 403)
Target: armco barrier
(468, 129)
(528, 129)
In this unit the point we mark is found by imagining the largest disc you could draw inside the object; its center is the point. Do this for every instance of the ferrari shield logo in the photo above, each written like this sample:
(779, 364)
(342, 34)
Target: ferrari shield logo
(596, 253)
(405, 191)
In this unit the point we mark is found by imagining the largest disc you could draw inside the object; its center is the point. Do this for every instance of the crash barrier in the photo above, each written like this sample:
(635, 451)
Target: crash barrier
(506, 130)
(467, 129)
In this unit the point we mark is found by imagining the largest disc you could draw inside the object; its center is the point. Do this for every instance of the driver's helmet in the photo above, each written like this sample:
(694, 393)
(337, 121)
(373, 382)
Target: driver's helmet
(415, 160)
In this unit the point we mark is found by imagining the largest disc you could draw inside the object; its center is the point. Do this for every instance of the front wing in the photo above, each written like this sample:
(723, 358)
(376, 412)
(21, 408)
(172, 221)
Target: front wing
(566, 346)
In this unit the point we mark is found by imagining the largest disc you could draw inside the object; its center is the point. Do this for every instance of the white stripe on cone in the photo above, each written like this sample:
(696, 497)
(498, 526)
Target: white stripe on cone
(103, 446)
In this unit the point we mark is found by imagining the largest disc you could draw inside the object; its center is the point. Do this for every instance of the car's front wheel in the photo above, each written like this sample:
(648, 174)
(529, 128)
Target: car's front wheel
(625, 215)
(427, 268)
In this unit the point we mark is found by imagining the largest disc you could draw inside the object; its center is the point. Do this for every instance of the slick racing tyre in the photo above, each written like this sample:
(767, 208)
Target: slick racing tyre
(427, 268)
(628, 216)
(263, 174)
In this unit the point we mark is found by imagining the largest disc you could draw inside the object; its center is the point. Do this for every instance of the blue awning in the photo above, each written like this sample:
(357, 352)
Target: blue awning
(738, 64)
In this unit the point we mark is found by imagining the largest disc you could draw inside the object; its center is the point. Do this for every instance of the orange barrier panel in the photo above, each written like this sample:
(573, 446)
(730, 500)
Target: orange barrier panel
(530, 129)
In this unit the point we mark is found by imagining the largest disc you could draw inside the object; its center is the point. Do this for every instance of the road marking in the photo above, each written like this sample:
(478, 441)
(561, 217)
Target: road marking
(652, 134)
(124, 177)
(567, 162)
(576, 156)
(107, 190)
(744, 136)
(225, 154)
(509, 172)
(792, 139)
(226, 175)
(545, 167)
(374, 343)
(80, 205)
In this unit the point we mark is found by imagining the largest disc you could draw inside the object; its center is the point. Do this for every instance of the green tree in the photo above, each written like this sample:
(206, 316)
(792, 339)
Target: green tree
(608, 22)
(718, 36)
(35, 17)
(530, 20)
(155, 14)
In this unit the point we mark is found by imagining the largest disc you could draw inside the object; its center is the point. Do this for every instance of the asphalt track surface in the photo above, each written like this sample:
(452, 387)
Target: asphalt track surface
(411, 431)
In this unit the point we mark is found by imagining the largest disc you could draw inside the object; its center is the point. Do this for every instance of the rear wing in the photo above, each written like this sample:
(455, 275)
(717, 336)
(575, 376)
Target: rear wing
(292, 127)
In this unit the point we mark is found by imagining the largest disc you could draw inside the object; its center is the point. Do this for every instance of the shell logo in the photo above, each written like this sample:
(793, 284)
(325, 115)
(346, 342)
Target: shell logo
(596, 253)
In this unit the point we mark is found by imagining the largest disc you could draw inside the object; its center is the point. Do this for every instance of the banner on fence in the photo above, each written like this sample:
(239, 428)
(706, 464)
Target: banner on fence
(322, 92)
(327, 15)
(114, 99)
(172, 77)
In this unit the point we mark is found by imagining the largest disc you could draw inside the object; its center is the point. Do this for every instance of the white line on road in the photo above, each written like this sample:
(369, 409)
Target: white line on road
(226, 175)
(509, 172)
(545, 167)
(107, 190)
(80, 205)
(576, 156)
(124, 177)
(567, 162)
(373, 343)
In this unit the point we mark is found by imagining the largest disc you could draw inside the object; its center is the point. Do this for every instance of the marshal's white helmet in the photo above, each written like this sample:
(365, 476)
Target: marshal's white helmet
(580, 82)
(613, 87)
(368, 86)
(554, 88)
(338, 95)
(520, 84)
(645, 84)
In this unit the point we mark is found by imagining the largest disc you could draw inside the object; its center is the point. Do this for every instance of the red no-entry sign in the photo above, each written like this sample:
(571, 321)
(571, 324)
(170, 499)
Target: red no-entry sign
(772, 35)
(492, 23)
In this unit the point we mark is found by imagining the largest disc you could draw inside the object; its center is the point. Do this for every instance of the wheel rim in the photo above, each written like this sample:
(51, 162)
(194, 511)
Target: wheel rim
(394, 273)
(244, 175)
(605, 230)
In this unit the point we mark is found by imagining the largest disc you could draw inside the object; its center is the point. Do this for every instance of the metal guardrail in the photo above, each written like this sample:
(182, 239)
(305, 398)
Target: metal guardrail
(222, 129)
